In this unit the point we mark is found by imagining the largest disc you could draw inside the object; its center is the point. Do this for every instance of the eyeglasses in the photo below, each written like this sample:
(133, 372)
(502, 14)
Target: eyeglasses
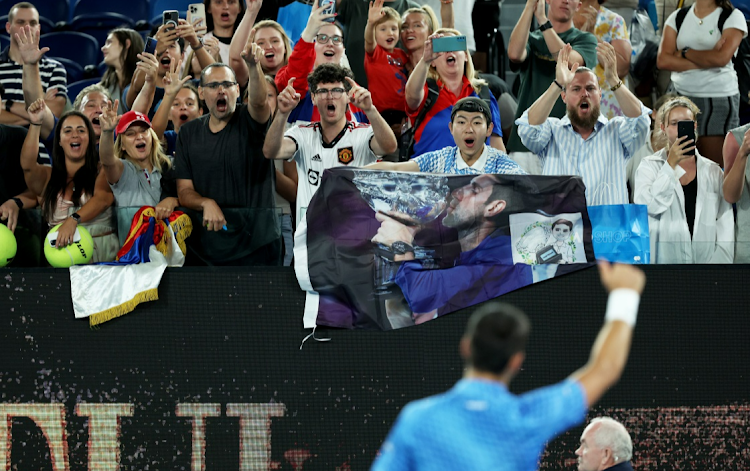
(323, 39)
(216, 85)
(335, 92)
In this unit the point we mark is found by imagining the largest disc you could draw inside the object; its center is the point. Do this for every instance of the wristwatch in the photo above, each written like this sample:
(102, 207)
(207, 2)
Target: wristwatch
(8, 104)
(400, 248)
(18, 202)
(77, 217)
(683, 52)
(200, 44)
(545, 26)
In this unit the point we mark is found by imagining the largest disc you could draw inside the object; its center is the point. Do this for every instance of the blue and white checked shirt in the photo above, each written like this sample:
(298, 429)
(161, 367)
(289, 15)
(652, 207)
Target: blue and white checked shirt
(599, 160)
(449, 160)
(480, 425)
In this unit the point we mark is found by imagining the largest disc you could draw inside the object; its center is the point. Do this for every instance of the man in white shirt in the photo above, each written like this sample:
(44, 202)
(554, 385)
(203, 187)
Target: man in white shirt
(333, 141)
(583, 142)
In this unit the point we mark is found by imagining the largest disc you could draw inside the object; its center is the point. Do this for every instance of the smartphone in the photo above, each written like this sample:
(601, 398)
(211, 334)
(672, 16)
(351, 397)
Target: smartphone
(171, 18)
(150, 45)
(449, 43)
(195, 11)
(330, 8)
(687, 128)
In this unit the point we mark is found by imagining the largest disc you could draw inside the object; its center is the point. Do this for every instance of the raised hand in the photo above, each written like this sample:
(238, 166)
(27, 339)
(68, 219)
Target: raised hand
(108, 119)
(172, 81)
(148, 65)
(607, 57)
(375, 11)
(36, 111)
(680, 150)
(359, 96)
(563, 73)
(315, 21)
(620, 275)
(585, 19)
(253, 6)
(252, 52)
(28, 45)
(165, 36)
(186, 31)
(427, 55)
(211, 45)
(288, 98)
(540, 11)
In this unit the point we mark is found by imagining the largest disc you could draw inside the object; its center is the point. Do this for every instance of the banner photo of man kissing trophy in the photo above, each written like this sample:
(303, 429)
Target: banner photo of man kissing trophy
(384, 250)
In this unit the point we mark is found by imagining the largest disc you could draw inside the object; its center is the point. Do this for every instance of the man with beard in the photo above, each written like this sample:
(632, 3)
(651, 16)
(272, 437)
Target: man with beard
(583, 142)
(484, 269)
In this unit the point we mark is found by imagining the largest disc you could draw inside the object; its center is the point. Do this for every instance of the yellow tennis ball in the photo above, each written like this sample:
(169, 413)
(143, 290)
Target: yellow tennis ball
(77, 253)
(8, 245)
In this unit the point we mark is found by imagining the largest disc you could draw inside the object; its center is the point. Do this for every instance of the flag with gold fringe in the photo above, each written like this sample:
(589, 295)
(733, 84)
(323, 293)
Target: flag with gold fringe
(106, 291)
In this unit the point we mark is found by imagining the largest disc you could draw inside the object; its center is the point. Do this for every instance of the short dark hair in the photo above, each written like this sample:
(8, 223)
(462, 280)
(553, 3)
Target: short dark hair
(496, 331)
(18, 6)
(472, 104)
(564, 222)
(329, 73)
(205, 71)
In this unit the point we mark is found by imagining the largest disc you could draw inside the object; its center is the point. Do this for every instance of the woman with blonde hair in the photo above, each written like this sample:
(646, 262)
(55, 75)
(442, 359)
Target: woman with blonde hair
(455, 77)
(270, 37)
(134, 163)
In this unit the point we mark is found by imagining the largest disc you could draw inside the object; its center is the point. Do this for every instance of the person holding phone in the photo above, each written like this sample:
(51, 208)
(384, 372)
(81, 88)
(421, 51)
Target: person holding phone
(456, 78)
(688, 218)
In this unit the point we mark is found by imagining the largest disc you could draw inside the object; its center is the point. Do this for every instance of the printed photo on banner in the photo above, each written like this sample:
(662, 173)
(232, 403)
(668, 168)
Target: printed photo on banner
(542, 239)
(385, 250)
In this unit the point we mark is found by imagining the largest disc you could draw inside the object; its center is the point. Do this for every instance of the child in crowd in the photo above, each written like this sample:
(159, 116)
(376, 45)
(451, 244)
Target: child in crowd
(385, 64)
(181, 104)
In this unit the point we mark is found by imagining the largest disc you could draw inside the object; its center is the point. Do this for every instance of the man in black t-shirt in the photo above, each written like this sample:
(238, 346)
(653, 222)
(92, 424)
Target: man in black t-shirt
(220, 164)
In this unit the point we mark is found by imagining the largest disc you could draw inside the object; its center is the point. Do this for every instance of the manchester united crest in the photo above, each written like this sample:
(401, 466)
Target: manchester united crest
(346, 155)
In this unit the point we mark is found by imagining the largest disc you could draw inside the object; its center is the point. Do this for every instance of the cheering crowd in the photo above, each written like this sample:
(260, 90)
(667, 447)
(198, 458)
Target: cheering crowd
(234, 124)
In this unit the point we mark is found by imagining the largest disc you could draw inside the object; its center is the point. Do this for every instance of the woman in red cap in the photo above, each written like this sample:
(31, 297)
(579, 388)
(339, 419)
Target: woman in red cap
(134, 163)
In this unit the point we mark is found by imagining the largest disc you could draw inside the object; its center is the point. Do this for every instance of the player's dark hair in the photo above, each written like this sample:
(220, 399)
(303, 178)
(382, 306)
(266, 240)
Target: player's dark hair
(497, 332)
(564, 222)
(329, 73)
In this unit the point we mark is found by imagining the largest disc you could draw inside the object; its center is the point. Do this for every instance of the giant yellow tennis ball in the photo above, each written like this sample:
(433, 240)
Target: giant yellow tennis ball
(8, 245)
(77, 253)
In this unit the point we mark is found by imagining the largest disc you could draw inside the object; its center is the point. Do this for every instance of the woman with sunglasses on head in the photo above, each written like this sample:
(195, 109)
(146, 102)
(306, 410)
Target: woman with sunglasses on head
(322, 42)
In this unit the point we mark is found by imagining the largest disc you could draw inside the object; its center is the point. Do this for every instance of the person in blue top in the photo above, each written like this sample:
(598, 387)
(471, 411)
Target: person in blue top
(470, 125)
(479, 424)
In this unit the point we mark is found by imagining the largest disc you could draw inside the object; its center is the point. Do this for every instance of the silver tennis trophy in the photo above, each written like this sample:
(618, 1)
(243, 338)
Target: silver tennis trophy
(413, 199)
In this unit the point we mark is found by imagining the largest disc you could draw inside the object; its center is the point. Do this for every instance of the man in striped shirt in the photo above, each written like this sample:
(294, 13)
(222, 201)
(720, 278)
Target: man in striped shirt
(52, 73)
(583, 142)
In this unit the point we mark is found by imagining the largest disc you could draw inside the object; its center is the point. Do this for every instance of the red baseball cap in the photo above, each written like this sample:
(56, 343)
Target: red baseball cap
(129, 118)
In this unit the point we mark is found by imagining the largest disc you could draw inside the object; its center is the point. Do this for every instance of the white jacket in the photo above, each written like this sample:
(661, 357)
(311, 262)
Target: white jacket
(658, 187)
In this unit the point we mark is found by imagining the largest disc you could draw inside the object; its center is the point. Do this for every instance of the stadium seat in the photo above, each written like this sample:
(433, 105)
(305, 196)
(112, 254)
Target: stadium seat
(135, 10)
(99, 25)
(73, 68)
(78, 47)
(4, 41)
(75, 88)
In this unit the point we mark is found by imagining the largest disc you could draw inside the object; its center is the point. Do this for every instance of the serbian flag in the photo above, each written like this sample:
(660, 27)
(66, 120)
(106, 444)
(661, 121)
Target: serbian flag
(105, 291)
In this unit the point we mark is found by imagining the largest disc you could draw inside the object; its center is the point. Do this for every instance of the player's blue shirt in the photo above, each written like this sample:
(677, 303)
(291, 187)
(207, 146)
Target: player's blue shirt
(449, 160)
(480, 425)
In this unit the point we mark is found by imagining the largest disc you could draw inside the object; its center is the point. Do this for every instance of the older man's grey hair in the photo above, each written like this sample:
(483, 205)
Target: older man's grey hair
(613, 435)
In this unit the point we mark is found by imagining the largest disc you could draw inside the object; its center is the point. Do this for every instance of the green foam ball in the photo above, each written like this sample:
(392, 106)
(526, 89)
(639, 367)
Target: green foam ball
(8, 246)
(77, 253)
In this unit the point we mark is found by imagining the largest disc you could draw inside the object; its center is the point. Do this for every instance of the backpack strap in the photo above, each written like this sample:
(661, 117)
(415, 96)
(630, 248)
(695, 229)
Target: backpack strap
(432, 95)
(725, 12)
(681, 14)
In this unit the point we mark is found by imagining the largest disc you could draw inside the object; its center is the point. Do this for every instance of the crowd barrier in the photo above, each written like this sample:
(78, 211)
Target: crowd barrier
(211, 376)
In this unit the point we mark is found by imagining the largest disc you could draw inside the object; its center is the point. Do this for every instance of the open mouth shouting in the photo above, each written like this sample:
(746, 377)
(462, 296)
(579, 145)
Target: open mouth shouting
(584, 107)
(330, 110)
(165, 61)
(390, 41)
(225, 17)
(221, 105)
(450, 60)
(183, 118)
(470, 142)
(140, 148)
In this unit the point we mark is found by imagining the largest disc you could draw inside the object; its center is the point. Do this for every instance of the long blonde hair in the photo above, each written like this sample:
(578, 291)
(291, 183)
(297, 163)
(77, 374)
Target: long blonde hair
(156, 156)
(469, 71)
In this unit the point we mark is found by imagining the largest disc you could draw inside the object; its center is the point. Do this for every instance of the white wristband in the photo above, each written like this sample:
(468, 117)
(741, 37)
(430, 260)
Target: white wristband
(623, 306)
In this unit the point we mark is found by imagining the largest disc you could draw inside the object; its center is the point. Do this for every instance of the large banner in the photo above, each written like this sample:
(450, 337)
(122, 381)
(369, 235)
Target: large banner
(384, 250)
